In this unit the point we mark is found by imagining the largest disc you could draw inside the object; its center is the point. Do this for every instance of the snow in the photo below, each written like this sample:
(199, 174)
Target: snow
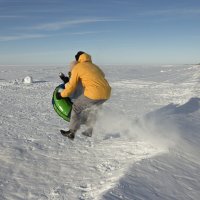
(28, 80)
(145, 144)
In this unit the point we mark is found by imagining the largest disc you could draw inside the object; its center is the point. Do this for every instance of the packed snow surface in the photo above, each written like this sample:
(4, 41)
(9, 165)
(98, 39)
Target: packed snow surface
(145, 144)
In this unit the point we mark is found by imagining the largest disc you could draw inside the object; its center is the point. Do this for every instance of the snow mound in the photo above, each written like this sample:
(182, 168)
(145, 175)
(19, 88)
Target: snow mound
(28, 80)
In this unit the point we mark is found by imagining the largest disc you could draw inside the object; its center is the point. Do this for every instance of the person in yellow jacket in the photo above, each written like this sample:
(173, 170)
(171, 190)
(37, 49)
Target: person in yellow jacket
(96, 90)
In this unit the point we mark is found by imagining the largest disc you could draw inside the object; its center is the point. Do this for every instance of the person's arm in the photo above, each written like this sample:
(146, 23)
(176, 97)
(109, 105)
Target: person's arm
(71, 85)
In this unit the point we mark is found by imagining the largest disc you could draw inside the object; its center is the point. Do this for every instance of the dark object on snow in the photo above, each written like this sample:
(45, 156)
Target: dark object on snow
(69, 134)
(88, 132)
(64, 78)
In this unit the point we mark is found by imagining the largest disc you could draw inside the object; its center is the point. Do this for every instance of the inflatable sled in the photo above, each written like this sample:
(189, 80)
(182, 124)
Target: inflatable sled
(62, 107)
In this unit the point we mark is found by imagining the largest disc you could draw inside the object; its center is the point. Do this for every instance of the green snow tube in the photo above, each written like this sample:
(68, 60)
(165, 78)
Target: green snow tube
(62, 107)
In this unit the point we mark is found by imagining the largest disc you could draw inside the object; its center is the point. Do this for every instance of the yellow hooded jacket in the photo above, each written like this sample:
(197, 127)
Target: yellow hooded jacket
(92, 78)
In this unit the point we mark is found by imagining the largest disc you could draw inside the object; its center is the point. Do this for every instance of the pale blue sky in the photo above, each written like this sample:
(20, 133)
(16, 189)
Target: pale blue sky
(112, 31)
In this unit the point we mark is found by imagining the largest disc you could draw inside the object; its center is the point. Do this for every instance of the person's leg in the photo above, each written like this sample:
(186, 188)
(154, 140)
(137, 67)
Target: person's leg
(75, 120)
(91, 117)
(79, 105)
(80, 115)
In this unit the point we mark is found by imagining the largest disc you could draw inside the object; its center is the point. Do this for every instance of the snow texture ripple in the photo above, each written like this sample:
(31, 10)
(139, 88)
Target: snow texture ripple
(145, 143)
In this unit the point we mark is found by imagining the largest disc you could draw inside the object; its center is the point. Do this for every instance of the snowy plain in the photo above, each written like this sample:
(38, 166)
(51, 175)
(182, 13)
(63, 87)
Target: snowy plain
(145, 144)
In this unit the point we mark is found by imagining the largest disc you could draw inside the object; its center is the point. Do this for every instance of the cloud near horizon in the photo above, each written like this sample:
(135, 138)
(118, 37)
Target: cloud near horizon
(21, 37)
(38, 30)
(54, 26)
(4, 38)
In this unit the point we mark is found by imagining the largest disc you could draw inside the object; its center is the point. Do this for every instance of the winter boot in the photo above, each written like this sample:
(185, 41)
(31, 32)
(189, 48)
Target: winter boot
(88, 132)
(70, 134)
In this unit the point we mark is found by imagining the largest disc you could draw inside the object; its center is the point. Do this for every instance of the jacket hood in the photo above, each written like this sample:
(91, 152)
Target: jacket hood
(84, 58)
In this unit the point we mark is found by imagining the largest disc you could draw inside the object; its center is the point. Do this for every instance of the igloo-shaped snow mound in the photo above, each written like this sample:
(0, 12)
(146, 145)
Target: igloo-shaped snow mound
(28, 80)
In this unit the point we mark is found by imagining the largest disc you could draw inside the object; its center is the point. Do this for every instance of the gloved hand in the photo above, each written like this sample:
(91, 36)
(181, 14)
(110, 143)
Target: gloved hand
(64, 78)
(58, 96)
(69, 99)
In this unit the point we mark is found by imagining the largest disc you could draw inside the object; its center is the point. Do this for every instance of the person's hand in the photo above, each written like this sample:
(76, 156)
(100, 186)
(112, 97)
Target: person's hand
(64, 78)
(58, 96)
(69, 99)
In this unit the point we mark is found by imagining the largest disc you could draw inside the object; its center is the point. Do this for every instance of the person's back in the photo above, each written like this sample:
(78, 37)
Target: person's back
(92, 78)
